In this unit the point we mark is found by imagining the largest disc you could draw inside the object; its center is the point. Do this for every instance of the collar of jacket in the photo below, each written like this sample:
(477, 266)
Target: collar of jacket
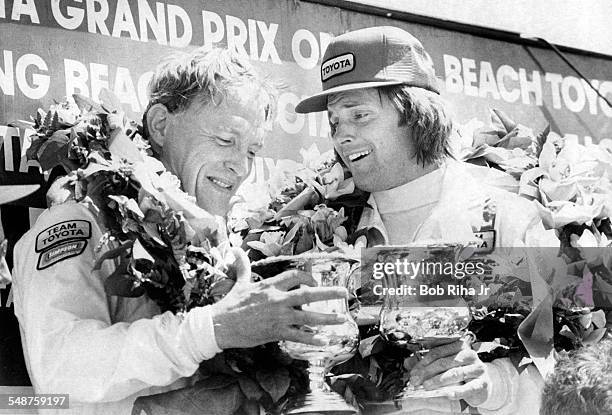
(454, 216)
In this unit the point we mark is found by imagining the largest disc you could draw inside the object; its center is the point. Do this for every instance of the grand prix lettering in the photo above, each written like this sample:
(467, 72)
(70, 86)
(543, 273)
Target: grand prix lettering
(31, 74)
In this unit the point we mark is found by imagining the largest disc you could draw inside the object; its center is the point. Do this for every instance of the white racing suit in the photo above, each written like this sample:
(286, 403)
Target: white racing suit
(458, 216)
(102, 351)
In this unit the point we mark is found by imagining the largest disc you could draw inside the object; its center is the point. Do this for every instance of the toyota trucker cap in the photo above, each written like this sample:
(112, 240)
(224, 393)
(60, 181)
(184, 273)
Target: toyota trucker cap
(368, 58)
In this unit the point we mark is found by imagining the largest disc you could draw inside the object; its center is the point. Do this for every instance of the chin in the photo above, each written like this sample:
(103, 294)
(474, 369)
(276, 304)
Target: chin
(365, 185)
(219, 209)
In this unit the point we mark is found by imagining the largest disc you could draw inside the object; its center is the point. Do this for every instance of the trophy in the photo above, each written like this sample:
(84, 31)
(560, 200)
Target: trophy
(341, 340)
(422, 307)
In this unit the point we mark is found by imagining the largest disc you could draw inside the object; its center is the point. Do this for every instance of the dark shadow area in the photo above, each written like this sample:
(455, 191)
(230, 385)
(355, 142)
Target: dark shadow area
(15, 222)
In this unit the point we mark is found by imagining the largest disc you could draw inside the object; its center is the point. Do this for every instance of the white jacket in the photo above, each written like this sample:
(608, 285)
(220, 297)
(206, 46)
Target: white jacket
(457, 216)
(103, 351)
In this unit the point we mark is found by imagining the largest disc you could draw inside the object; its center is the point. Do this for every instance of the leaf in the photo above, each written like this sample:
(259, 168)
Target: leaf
(139, 252)
(217, 395)
(109, 101)
(94, 168)
(371, 345)
(291, 234)
(504, 120)
(32, 151)
(304, 242)
(249, 407)
(358, 386)
(566, 332)
(215, 366)
(541, 139)
(308, 197)
(220, 288)
(22, 125)
(487, 347)
(55, 124)
(39, 117)
(594, 336)
(122, 147)
(374, 236)
(55, 151)
(271, 249)
(121, 284)
(276, 383)
(153, 232)
(250, 388)
(47, 121)
(599, 318)
(585, 320)
(112, 253)
(86, 103)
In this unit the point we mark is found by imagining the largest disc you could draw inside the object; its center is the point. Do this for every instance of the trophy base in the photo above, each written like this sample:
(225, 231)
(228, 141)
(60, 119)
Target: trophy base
(320, 402)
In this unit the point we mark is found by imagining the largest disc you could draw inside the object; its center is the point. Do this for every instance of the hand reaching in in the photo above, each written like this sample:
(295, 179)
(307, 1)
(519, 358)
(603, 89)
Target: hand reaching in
(256, 313)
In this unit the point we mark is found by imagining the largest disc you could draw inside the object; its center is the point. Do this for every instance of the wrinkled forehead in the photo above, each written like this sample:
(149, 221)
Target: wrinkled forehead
(344, 99)
(250, 101)
(246, 100)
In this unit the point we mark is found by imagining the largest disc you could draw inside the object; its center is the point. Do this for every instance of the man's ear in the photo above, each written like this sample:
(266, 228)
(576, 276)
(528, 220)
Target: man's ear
(157, 119)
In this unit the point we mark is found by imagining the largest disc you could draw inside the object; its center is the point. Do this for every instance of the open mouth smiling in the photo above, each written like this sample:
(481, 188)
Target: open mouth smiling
(221, 183)
(358, 155)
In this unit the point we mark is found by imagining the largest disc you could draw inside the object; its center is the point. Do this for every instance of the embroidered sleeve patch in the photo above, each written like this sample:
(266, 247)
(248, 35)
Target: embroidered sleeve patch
(61, 232)
(60, 252)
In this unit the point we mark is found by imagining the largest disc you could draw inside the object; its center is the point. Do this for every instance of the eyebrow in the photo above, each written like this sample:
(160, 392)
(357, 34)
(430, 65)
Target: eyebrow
(351, 102)
(347, 105)
(228, 130)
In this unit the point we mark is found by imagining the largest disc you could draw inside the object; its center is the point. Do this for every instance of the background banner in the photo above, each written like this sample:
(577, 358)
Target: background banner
(51, 49)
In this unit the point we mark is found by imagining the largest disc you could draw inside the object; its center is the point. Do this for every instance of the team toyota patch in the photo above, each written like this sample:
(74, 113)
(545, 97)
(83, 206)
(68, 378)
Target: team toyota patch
(60, 252)
(336, 66)
(59, 233)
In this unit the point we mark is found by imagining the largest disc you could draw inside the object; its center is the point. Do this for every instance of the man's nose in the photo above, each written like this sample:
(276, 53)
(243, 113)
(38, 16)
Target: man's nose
(238, 164)
(345, 133)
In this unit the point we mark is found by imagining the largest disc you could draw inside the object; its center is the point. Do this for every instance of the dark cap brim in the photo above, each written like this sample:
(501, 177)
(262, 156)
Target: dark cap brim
(318, 102)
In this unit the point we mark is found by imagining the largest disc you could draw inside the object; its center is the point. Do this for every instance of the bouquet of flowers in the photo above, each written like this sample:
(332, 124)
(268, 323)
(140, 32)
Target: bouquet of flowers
(311, 206)
(166, 246)
(504, 144)
(570, 184)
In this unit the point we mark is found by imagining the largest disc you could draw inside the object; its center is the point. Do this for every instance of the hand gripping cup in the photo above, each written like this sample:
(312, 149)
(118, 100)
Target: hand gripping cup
(424, 302)
(341, 340)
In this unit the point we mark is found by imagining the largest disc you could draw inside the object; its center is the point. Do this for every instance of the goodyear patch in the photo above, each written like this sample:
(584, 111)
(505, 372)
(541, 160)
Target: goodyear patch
(60, 252)
(336, 66)
(61, 232)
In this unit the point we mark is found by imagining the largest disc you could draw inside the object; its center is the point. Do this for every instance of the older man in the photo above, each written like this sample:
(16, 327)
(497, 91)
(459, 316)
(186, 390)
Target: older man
(206, 119)
(391, 129)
